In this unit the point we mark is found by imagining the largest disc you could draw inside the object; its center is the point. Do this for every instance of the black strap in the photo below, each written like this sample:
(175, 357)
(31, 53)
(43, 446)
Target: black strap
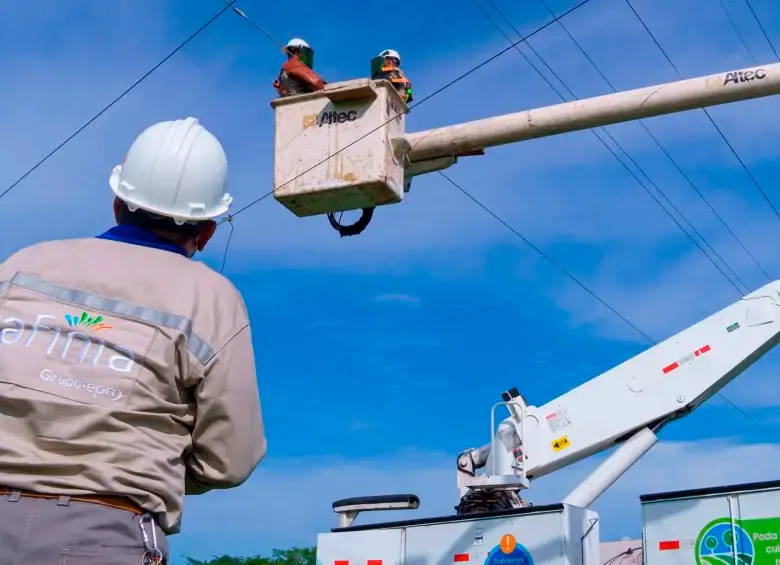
(353, 229)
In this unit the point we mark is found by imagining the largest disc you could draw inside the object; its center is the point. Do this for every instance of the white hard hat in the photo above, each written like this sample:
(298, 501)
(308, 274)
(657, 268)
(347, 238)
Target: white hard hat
(391, 53)
(176, 169)
(297, 42)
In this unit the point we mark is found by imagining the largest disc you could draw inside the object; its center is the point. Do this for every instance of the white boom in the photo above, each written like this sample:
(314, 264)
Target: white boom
(346, 148)
(636, 104)
(627, 405)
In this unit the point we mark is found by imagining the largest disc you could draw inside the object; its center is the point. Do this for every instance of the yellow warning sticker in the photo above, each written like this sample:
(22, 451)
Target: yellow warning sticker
(561, 443)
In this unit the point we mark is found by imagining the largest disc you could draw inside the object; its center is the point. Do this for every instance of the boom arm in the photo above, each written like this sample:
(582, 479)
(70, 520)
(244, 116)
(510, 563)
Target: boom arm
(346, 147)
(637, 398)
(689, 94)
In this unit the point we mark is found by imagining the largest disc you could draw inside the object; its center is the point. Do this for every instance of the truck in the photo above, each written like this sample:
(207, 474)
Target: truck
(732, 524)
(624, 408)
(346, 148)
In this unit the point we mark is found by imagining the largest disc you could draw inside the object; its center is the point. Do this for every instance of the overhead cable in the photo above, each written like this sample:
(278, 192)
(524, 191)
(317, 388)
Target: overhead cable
(761, 27)
(712, 121)
(739, 290)
(416, 104)
(117, 99)
(671, 159)
(582, 285)
(547, 257)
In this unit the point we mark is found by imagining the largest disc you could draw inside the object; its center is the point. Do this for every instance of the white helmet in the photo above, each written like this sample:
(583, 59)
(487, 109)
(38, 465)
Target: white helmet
(391, 53)
(297, 42)
(176, 169)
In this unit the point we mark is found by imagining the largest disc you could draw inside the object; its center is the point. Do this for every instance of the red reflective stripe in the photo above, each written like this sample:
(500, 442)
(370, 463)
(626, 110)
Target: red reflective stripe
(374, 562)
(341, 563)
(704, 349)
(461, 557)
(671, 367)
(668, 545)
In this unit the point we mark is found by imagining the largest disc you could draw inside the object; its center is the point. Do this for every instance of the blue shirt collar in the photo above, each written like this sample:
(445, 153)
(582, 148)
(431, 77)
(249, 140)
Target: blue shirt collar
(139, 236)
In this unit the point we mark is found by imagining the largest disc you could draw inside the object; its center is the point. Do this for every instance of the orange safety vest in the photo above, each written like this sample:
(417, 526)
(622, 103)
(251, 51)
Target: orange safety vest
(397, 76)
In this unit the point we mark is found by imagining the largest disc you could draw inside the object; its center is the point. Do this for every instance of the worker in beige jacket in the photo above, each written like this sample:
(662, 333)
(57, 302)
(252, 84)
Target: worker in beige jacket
(127, 375)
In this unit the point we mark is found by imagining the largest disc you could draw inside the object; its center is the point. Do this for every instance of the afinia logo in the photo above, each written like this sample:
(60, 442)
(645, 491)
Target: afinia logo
(85, 320)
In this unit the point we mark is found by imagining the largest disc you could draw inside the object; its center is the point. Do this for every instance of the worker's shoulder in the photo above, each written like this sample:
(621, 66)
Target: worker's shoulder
(27, 258)
(296, 65)
(221, 286)
(179, 282)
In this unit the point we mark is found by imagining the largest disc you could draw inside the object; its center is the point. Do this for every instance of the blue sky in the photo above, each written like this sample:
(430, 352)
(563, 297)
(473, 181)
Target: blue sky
(379, 356)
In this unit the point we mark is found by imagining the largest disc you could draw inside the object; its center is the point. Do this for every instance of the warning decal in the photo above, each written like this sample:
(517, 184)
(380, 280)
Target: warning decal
(682, 361)
(560, 444)
(558, 420)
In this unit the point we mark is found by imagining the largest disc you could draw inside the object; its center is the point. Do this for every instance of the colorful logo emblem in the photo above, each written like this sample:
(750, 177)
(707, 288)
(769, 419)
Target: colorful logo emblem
(753, 541)
(87, 322)
(718, 543)
(509, 552)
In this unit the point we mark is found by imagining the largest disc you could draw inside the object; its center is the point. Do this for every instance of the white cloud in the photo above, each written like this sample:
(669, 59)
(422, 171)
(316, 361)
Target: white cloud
(287, 501)
(400, 298)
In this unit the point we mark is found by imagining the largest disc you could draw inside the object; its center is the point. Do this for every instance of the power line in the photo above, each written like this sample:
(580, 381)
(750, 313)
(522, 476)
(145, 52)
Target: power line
(669, 156)
(545, 256)
(712, 121)
(742, 39)
(499, 219)
(255, 25)
(736, 30)
(641, 170)
(423, 100)
(227, 244)
(118, 98)
(761, 26)
(579, 283)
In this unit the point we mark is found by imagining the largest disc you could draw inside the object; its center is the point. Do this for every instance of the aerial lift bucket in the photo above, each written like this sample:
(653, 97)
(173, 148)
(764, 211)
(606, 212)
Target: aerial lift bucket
(334, 149)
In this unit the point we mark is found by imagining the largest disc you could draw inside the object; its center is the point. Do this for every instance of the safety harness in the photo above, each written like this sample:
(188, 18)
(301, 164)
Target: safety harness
(397, 77)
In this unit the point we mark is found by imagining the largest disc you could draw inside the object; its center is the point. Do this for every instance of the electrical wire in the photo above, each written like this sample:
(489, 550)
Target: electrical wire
(669, 156)
(547, 258)
(740, 291)
(625, 553)
(712, 121)
(255, 25)
(229, 220)
(485, 208)
(733, 405)
(416, 104)
(763, 30)
(118, 98)
(742, 39)
(582, 285)
(736, 30)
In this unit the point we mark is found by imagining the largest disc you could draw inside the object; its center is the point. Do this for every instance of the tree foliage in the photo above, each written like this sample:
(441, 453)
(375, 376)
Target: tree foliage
(293, 556)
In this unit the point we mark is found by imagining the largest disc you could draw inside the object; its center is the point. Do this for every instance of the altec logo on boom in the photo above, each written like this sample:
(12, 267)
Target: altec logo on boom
(683, 360)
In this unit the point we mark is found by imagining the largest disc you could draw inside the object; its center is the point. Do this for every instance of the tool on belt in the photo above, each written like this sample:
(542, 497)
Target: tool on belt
(152, 554)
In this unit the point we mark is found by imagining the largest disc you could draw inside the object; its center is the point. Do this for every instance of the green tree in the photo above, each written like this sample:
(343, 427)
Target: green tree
(293, 556)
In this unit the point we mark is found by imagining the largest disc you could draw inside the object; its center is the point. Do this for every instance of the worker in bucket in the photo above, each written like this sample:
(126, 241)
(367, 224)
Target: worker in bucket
(127, 369)
(387, 66)
(297, 75)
